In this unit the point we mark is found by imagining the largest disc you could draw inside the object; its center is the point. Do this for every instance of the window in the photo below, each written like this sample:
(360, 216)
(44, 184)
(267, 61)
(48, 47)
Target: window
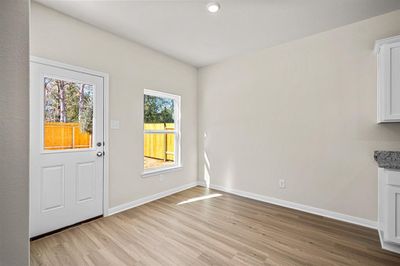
(161, 131)
(68, 115)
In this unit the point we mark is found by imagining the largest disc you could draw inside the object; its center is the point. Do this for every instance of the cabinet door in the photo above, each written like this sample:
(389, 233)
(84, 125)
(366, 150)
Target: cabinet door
(389, 83)
(392, 228)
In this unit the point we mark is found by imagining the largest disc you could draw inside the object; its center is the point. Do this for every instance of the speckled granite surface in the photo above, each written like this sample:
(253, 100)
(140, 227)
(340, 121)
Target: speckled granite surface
(388, 159)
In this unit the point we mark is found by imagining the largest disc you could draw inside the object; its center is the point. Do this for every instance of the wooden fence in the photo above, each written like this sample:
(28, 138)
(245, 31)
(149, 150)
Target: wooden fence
(62, 136)
(159, 146)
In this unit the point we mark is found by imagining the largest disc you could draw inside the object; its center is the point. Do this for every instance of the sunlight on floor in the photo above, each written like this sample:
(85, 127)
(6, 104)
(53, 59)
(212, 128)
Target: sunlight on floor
(199, 198)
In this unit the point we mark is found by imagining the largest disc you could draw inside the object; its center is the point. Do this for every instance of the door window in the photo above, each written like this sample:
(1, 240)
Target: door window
(68, 114)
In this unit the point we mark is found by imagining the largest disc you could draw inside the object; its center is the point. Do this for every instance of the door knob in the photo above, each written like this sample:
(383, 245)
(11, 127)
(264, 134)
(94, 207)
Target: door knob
(99, 154)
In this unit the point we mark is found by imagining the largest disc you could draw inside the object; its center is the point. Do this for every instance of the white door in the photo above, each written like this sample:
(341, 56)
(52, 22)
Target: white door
(66, 147)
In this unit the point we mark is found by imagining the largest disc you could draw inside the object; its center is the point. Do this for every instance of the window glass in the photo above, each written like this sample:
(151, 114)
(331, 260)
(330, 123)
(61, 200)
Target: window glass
(158, 113)
(159, 150)
(68, 114)
(160, 134)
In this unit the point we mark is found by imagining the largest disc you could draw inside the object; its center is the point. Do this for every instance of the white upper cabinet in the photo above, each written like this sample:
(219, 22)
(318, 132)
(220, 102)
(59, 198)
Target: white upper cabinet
(388, 51)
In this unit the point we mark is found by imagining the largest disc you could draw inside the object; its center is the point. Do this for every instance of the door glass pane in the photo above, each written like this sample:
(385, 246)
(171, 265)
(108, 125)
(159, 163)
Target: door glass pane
(68, 114)
(159, 150)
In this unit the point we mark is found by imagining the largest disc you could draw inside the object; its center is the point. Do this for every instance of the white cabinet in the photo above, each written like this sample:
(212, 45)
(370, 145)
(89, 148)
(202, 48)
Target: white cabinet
(393, 217)
(389, 209)
(388, 52)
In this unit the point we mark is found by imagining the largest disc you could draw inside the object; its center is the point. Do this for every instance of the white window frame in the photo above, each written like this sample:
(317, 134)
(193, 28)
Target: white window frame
(177, 119)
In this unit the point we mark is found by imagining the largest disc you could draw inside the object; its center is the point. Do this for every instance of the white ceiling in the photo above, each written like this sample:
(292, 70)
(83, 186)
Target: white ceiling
(184, 29)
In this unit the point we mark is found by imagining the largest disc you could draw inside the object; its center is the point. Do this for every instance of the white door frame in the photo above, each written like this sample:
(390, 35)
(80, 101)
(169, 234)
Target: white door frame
(105, 77)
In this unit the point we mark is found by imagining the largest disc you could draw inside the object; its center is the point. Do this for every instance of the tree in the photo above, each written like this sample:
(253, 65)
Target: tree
(150, 109)
(86, 112)
(166, 115)
(69, 102)
(72, 105)
(51, 101)
(158, 110)
(81, 101)
(61, 91)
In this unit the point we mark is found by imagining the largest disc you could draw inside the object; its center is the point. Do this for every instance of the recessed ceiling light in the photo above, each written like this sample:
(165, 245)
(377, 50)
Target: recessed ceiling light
(213, 7)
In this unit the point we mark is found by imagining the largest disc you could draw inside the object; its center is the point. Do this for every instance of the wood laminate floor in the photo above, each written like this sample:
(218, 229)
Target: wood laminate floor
(207, 227)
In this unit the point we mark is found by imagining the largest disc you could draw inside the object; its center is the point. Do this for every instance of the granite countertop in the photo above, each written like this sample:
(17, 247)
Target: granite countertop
(388, 159)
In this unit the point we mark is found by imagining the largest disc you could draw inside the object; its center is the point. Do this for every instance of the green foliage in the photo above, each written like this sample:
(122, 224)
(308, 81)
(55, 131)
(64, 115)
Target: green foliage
(52, 101)
(71, 94)
(158, 110)
(86, 118)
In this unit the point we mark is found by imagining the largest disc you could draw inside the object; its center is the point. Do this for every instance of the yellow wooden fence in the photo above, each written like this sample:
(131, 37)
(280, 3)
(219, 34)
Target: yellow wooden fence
(62, 136)
(159, 146)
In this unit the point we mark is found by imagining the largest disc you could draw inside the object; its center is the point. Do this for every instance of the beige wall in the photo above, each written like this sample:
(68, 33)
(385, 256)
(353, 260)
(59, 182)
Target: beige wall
(304, 111)
(132, 68)
(14, 132)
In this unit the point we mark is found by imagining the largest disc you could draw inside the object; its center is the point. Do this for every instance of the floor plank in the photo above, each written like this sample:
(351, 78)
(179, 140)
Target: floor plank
(201, 226)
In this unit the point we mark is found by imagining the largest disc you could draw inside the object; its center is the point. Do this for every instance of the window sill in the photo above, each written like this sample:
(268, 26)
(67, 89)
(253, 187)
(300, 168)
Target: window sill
(161, 171)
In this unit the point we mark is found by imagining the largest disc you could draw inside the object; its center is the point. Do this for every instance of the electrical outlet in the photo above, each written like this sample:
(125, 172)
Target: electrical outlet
(282, 183)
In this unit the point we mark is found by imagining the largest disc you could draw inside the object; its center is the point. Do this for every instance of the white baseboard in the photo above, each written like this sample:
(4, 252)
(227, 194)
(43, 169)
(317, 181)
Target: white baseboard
(297, 206)
(275, 201)
(148, 199)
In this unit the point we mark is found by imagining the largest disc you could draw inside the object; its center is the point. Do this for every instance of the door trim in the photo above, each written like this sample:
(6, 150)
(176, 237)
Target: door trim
(105, 76)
